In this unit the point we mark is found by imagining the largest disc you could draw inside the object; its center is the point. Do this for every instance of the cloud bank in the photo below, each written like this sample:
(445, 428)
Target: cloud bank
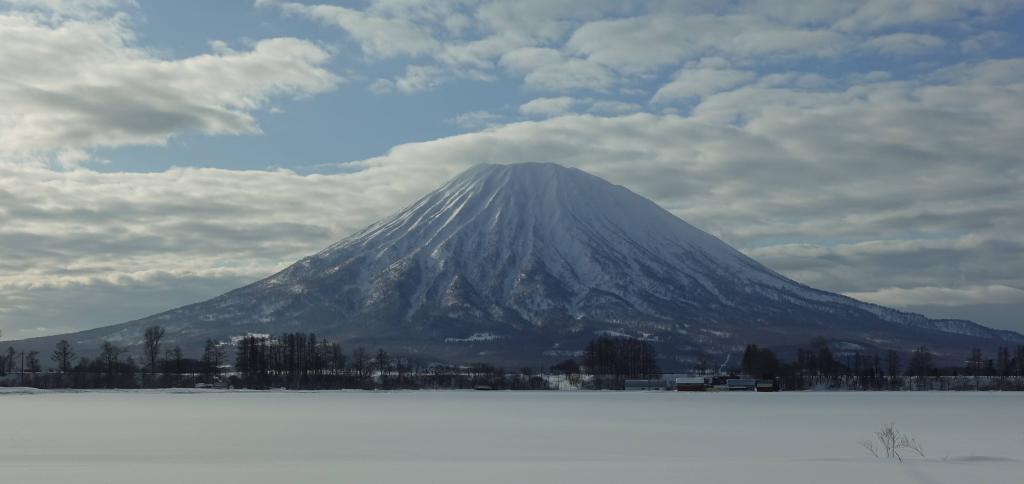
(899, 189)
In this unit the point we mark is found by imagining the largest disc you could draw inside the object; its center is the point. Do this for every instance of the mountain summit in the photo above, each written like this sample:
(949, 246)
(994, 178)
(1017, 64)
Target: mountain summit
(516, 263)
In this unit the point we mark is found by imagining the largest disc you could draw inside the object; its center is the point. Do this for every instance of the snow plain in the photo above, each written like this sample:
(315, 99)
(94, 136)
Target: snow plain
(502, 437)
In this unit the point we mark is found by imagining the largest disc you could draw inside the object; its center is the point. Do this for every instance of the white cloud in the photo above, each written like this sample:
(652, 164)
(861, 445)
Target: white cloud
(547, 106)
(864, 267)
(477, 119)
(71, 158)
(904, 44)
(941, 296)
(79, 227)
(981, 43)
(879, 14)
(601, 45)
(700, 82)
(416, 78)
(74, 83)
(813, 147)
(378, 36)
(613, 107)
(641, 44)
(857, 169)
(382, 86)
(549, 69)
(69, 8)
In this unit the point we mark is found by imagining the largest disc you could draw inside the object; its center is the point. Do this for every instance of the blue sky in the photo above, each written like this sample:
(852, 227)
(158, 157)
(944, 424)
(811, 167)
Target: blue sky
(352, 123)
(156, 153)
(348, 124)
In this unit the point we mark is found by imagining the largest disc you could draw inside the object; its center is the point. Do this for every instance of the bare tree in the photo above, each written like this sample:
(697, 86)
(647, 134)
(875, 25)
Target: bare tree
(151, 345)
(892, 363)
(759, 362)
(920, 362)
(32, 362)
(11, 353)
(621, 357)
(110, 356)
(571, 369)
(975, 361)
(173, 358)
(62, 355)
(361, 363)
(869, 445)
(213, 357)
(1003, 361)
(337, 359)
(894, 442)
(383, 362)
(4, 361)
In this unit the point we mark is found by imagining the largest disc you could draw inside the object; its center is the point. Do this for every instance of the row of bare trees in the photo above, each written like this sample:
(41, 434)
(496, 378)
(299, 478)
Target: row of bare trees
(301, 360)
(609, 361)
(816, 365)
(621, 357)
(28, 362)
(114, 366)
(304, 361)
(290, 360)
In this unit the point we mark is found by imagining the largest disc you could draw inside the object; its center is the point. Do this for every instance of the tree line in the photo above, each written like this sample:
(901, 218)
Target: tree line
(300, 360)
(609, 361)
(290, 360)
(816, 364)
(305, 361)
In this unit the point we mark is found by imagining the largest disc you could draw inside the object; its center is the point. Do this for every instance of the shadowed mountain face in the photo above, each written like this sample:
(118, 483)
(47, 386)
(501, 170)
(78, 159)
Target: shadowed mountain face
(523, 264)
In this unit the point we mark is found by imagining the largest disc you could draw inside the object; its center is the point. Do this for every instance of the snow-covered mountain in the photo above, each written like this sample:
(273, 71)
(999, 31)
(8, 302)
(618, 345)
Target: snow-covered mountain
(519, 262)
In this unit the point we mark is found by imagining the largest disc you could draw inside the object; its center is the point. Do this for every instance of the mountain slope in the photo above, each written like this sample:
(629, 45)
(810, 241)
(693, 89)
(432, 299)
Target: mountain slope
(519, 262)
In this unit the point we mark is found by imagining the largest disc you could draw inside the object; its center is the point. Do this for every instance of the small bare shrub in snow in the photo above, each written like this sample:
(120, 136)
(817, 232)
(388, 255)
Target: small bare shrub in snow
(869, 445)
(893, 442)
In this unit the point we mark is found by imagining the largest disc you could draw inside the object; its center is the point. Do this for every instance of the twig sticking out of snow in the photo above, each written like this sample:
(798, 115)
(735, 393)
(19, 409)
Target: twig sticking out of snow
(870, 446)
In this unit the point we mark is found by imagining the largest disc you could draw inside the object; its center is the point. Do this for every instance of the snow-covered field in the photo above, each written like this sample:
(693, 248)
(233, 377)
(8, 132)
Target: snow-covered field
(502, 437)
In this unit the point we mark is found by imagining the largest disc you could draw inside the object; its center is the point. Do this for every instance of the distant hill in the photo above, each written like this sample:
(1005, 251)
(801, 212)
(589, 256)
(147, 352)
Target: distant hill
(524, 263)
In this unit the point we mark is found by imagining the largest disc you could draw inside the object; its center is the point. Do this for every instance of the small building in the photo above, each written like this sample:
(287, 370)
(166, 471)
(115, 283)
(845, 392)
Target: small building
(644, 385)
(691, 384)
(765, 386)
(741, 384)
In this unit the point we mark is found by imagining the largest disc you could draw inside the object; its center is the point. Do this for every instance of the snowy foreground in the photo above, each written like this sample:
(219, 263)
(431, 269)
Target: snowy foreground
(502, 437)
